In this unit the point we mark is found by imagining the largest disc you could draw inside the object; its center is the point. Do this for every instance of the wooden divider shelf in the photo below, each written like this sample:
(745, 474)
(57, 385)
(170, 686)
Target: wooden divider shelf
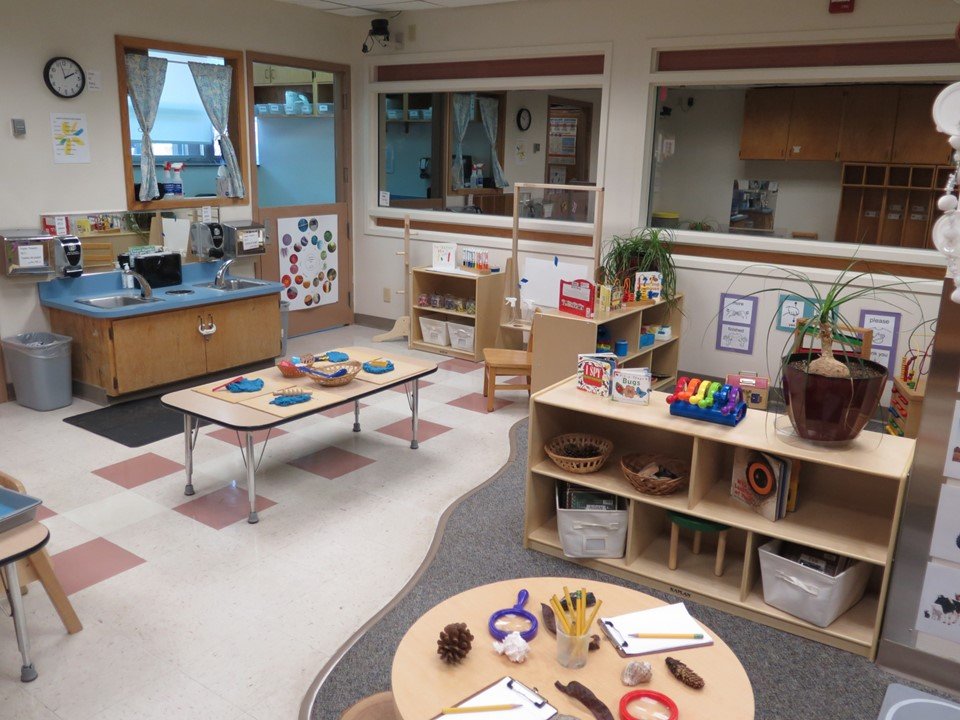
(849, 503)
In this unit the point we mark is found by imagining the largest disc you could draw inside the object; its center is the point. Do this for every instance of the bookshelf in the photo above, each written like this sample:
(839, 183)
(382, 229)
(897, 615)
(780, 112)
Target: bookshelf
(849, 503)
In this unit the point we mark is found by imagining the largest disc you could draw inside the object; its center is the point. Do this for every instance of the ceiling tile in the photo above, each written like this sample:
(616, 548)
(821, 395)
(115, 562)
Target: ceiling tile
(404, 5)
(351, 12)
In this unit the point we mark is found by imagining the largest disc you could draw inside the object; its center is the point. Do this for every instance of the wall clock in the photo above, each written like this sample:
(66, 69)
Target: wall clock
(64, 77)
(523, 119)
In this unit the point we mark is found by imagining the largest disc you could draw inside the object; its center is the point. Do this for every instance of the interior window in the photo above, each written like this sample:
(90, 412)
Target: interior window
(839, 163)
(540, 137)
(188, 150)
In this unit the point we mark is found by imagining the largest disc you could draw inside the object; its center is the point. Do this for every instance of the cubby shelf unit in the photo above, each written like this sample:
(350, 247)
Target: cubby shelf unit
(849, 503)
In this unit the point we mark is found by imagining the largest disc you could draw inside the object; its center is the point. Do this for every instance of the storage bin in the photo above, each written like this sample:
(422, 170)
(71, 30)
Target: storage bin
(434, 330)
(807, 593)
(591, 533)
(461, 336)
(38, 365)
(16, 509)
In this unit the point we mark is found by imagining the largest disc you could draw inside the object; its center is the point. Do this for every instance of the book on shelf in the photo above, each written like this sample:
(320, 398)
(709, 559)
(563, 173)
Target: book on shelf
(581, 498)
(595, 373)
(826, 562)
(765, 482)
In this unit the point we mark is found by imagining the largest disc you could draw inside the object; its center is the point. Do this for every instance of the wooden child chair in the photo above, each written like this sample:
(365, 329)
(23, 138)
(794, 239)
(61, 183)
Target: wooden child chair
(699, 526)
(38, 567)
(375, 707)
(499, 361)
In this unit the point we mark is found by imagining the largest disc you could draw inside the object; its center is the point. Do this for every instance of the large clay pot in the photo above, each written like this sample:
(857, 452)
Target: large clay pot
(830, 409)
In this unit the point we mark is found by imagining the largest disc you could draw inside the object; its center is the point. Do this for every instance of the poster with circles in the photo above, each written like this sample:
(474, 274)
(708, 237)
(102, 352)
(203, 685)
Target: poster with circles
(309, 267)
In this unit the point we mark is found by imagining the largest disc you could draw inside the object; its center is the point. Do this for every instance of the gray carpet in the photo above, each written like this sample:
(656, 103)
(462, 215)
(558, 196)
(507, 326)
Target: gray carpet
(792, 677)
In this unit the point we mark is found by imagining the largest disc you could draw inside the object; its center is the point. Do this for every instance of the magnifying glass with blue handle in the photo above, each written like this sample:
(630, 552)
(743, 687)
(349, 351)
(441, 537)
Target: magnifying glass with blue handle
(515, 619)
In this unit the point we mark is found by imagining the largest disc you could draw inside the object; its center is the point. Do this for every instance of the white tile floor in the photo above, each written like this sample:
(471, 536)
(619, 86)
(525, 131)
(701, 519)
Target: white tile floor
(234, 623)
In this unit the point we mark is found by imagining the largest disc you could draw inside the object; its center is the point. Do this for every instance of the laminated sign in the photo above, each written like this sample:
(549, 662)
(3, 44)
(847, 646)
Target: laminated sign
(578, 297)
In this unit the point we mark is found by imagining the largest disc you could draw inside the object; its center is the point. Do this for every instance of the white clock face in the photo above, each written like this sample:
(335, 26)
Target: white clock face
(64, 77)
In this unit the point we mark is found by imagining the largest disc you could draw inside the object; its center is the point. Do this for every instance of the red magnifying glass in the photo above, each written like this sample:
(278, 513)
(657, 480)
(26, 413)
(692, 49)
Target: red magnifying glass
(647, 705)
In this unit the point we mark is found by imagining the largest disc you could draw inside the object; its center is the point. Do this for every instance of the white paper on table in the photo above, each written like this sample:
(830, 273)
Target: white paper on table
(665, 619)
(508, 691)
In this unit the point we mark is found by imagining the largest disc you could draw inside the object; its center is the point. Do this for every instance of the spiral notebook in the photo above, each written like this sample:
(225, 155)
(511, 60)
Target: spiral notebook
(507, 691)
(672, 619)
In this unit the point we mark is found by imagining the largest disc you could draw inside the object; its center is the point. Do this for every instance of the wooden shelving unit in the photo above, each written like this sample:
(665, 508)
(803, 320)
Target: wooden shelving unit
(561, 337)
(849, 503)
(890, 205)
(487, 289)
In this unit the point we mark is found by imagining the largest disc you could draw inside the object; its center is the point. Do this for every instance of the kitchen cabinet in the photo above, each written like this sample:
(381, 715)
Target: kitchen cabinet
(122, 355)
(766, 123)
(869, 121)
(281, 75)
(849, 504)
(916, 140)
(815, 116)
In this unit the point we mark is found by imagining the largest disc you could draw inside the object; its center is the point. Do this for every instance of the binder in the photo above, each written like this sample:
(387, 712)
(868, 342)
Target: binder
(667, 618)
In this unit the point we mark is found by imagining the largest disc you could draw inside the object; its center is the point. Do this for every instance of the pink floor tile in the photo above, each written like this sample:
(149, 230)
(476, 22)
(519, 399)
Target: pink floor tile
(341, 410)
(139, 470)
(402, 388)
(230, 436)
(460, 366)
(222, 507)
(331, 462)
(43, 512)
(90, 563)
(425, 431)
(478, 403)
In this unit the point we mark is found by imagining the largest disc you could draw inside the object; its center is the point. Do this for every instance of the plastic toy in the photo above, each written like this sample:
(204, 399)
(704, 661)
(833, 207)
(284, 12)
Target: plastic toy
(707, 400)
(515, 615)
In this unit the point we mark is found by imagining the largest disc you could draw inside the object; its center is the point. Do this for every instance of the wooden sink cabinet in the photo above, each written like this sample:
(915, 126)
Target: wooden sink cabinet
(121, 355)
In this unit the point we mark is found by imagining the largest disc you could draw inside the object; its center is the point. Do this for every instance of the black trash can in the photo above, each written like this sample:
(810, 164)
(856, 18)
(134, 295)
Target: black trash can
(38, 365)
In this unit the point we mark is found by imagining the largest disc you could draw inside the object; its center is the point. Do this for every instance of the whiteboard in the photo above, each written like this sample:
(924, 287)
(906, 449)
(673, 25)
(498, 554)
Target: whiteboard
(540, 279)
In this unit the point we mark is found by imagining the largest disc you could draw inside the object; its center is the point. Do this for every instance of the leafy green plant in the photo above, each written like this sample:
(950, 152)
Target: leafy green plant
(648, 249)
(703, 225)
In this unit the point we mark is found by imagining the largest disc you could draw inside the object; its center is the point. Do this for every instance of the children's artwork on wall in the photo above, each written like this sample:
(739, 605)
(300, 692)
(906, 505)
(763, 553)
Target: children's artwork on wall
(939, 611)
(791, 309)
(951, 466)
(886, 332)
(736, 323)
(309, 260)
(945, 543)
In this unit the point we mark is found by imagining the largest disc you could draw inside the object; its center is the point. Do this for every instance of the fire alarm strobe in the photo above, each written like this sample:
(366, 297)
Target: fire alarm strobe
(841, 6)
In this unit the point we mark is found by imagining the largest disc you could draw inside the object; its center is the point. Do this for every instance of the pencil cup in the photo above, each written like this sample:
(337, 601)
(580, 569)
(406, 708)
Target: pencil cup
(572, 650)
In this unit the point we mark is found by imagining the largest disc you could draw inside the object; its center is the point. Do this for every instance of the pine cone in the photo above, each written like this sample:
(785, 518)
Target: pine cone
(454, 643)
(684, 674)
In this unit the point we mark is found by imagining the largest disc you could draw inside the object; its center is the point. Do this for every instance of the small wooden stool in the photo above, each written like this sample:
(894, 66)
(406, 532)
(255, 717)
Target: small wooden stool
(375, 707)
(699, 526)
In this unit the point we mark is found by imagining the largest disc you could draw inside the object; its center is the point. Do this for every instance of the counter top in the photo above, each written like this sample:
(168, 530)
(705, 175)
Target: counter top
(63, 293)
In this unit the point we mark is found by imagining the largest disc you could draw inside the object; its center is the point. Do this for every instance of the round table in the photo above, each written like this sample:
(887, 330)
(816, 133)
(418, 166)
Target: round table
(423, 684)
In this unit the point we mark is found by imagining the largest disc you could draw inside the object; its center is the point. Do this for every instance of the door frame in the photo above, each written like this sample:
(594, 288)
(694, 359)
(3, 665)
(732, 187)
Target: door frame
(344, 175)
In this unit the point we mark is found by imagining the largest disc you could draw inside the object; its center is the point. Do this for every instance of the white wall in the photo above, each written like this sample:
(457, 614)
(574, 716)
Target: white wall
(629, 30)
(31, 33)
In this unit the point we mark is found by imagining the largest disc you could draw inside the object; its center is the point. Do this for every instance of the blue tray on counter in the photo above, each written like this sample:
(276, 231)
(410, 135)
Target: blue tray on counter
(16, 509)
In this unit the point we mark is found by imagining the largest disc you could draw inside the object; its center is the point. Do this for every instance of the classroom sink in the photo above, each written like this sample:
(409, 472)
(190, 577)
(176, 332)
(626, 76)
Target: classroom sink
(111, 302)
(233, 284)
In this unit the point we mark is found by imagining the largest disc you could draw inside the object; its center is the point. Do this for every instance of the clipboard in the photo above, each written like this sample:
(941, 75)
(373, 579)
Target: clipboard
(675, 617)
(507, 690)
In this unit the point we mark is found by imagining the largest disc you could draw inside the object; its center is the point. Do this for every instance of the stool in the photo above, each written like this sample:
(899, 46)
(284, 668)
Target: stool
(699, 526)
(375, 707)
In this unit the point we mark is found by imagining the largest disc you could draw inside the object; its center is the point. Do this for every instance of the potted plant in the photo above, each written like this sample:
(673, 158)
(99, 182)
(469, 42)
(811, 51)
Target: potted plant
(648, 249)
(830, 394)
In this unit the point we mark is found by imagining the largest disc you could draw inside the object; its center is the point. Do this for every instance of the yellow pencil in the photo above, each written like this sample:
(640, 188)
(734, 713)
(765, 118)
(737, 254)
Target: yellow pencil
(561, 618)
(593, 615)
(670, 636)
(566, 594)
(478, 708)
(582, 612)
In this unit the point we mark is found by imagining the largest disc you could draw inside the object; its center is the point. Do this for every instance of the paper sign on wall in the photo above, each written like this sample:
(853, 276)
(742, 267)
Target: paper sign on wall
(945, 543)
(886, 332)
(736, 325)
(309, 260)
(70, 140)
(939, 606)
(792, 308)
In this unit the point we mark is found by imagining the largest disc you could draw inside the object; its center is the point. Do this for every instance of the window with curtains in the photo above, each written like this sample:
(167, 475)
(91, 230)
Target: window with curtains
(181, 107)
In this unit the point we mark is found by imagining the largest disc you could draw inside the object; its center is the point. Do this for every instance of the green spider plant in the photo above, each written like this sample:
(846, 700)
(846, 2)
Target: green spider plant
(644, 249)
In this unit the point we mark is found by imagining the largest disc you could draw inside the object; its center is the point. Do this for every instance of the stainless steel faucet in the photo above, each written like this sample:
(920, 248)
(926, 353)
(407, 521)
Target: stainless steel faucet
(146, 292)
(222, 272)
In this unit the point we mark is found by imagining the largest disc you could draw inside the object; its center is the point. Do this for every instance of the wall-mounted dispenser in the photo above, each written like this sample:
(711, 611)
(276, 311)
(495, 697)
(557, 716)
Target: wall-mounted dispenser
(243, 238)
(206, 241)
(68, 256)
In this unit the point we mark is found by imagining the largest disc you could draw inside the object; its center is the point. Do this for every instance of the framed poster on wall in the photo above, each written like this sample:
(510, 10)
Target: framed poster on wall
(309, 260)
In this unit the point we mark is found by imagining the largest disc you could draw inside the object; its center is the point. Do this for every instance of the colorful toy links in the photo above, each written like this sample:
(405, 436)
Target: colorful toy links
(707, 400)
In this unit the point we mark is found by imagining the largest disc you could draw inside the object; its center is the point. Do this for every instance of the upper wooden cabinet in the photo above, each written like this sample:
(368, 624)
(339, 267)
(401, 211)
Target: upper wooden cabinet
(869, 121)
(766, 124)
(281, 75)
(815, 123)
(916, 140)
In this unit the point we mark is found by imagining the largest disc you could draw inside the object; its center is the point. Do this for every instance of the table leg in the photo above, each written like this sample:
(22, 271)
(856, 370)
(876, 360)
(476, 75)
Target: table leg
(188, 452)
(27, 672)
(356, 416)
(415, 409)
(251, 480)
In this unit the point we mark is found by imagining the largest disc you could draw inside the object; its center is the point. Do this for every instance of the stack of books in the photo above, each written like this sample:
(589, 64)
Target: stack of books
(765, 482)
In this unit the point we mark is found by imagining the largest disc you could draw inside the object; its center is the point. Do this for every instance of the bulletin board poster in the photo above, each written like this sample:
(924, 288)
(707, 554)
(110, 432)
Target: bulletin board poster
(562, 143)
(945, 543)
(940, 602)
(886, 332)
(951, 465)
(736, 323)
(70, 138)
(309, 260)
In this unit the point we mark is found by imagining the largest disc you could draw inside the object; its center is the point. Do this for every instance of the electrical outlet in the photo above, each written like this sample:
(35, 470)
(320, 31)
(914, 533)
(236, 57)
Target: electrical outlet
(387, 295)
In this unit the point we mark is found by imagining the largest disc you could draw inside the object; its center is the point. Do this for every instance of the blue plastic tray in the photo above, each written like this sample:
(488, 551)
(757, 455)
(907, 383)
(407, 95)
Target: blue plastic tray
(16, 509)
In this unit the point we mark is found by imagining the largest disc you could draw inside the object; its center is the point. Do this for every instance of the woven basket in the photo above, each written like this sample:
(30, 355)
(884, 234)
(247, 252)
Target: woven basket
(352, 366)
(289, 372)
(634, 463)
(579, 465)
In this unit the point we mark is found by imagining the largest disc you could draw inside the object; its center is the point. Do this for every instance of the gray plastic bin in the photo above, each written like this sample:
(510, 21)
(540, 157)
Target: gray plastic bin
(38, 365)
